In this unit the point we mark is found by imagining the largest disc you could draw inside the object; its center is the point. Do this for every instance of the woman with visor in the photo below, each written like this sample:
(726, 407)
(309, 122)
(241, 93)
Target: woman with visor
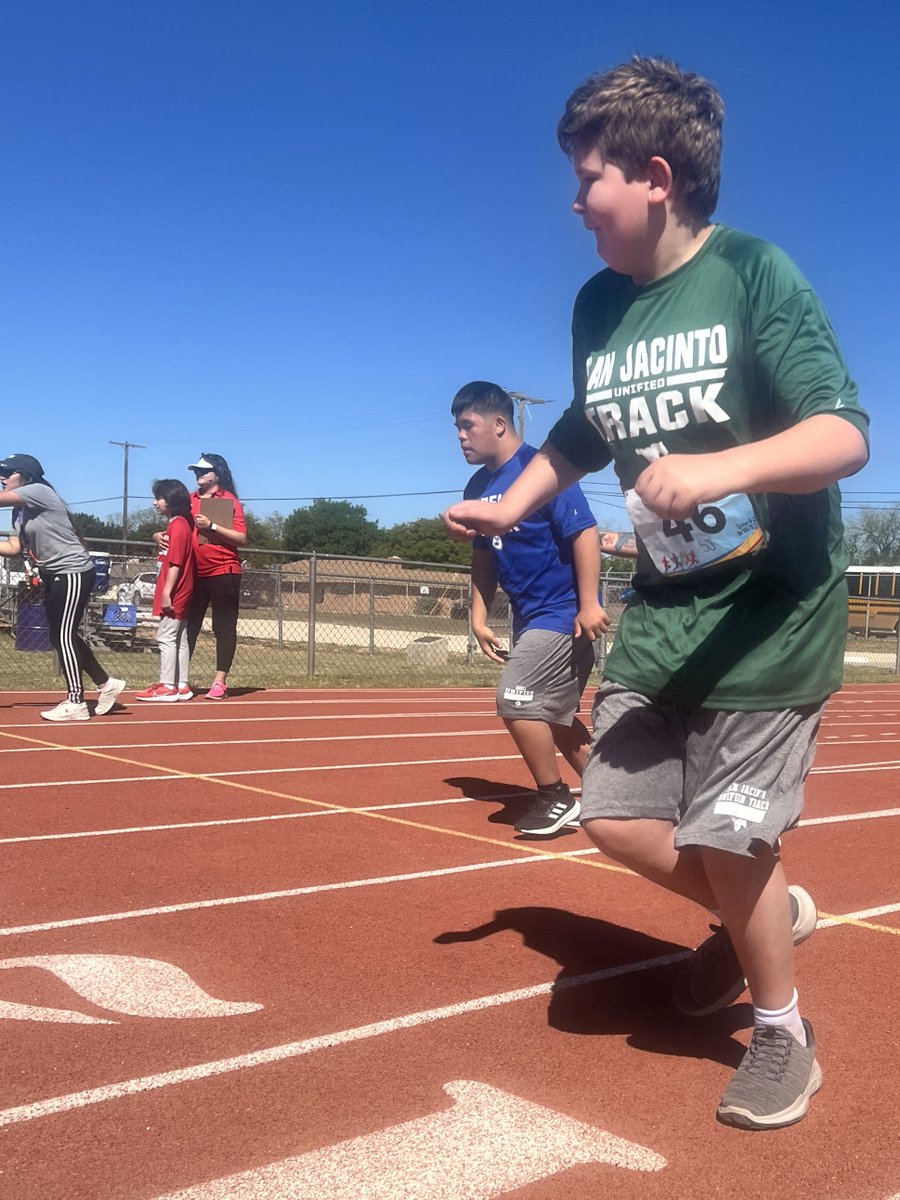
(217, 584)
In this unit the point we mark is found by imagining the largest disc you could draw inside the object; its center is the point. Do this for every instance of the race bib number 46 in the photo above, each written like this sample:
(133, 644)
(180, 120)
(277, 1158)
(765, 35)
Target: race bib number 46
(712, 533)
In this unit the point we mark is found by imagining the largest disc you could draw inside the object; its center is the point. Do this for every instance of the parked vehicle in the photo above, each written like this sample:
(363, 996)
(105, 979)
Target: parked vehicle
(139, 590)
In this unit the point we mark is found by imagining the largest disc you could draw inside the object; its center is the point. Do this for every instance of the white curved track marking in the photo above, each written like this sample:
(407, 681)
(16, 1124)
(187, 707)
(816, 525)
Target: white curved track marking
(134, 987)
(489, 1143)
(31, 1012)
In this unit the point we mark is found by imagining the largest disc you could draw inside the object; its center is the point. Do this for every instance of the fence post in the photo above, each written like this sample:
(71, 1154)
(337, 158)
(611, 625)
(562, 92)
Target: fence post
(371, 615)
(279, 605)
(311, 620)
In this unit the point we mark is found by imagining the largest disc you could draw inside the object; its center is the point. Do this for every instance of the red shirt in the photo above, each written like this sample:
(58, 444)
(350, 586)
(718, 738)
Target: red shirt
(179, 552)
(218, 558)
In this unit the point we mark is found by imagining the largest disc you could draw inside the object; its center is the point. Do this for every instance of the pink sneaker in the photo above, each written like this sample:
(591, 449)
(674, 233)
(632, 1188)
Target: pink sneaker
(218, 691)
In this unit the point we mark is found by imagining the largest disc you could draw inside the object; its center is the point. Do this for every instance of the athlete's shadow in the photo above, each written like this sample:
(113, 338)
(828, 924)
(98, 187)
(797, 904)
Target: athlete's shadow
(514, 801)
(632, 993)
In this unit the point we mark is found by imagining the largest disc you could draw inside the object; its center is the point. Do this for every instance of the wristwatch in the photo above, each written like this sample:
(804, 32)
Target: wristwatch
(213, 527)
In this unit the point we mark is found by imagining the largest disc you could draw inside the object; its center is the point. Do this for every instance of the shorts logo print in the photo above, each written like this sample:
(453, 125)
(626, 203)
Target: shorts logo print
(743, 803)
(518, 695)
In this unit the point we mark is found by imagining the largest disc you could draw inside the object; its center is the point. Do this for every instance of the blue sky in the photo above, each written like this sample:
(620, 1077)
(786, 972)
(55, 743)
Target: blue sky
(287, 232)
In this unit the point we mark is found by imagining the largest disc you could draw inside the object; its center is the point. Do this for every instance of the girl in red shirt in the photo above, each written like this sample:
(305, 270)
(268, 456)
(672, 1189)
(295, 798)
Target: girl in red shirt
(174, 588)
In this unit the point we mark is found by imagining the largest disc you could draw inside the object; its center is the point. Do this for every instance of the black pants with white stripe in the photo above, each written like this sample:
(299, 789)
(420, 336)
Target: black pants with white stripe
(65, 598)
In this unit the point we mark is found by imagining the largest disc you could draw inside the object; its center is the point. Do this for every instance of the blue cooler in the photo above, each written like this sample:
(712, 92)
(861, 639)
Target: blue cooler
(100, 559)
(32, 631)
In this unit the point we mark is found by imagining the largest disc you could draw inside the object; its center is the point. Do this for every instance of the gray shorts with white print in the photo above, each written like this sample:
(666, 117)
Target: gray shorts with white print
(545, 676)
(728, 780)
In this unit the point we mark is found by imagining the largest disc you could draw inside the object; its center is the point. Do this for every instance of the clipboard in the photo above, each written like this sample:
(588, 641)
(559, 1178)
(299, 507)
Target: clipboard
(220, 511)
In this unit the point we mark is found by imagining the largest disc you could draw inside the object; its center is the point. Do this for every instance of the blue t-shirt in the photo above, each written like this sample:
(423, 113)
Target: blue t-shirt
(534, 560)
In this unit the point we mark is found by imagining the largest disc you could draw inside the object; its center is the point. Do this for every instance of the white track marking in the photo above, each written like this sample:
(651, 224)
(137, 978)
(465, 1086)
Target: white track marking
(260, 897)
(841, 769)
(488, 1144)
(496, 731)
(327, 1041)
(172, 775)
(488, 714)
(132, 986)
(173, 826)
(59, 1016)
(863, 914)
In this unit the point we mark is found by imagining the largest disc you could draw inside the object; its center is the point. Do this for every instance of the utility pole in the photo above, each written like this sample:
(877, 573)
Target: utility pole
(126, 446)
(520, 402)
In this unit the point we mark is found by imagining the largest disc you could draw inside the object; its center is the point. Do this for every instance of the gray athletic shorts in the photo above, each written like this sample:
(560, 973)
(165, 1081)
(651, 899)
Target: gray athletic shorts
(724, 779)
(544, 677)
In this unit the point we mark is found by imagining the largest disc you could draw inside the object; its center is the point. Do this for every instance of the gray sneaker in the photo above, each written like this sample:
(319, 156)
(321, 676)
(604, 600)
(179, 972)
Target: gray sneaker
(772, 1086)
(712, 978)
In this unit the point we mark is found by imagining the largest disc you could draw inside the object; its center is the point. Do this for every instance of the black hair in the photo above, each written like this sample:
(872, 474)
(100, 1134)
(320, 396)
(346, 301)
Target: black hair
(222, 470)
(176, 496)
(484, 398)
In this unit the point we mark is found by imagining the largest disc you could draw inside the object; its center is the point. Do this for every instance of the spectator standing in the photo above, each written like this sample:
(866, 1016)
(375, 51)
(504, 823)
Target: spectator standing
(44, 534)
(174, 588)
(218, 581)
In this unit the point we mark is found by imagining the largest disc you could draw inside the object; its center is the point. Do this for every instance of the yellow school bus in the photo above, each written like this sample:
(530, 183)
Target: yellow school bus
(873, 599)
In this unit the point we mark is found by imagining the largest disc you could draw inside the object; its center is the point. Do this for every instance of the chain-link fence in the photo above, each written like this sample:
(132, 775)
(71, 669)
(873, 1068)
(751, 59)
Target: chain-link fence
(308, 620)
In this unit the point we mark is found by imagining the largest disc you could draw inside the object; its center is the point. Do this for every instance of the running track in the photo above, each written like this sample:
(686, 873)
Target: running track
(289, 946)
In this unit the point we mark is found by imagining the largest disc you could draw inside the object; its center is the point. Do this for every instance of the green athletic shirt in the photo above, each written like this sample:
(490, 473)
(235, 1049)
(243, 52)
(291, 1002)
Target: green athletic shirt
(743, 606)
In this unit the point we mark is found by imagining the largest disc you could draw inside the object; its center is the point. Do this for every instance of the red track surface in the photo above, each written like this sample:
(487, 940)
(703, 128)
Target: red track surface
(351, 967)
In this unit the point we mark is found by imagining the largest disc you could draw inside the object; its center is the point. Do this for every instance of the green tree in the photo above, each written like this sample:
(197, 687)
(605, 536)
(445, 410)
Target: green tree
(422, 540)
(143, 523)
(330, 527)
(872, 537)
(86, 525)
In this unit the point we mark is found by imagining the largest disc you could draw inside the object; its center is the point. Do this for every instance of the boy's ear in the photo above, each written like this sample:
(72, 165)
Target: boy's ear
(659, 180)
(500, 426)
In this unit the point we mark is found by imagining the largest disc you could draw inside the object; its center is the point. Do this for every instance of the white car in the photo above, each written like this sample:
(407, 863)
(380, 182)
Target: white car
(139, 590)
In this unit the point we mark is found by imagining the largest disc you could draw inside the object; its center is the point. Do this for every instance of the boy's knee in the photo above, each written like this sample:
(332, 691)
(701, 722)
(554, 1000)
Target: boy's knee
(617, 838)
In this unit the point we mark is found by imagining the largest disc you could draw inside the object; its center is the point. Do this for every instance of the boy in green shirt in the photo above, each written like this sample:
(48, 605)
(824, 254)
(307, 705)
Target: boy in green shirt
(706, 371)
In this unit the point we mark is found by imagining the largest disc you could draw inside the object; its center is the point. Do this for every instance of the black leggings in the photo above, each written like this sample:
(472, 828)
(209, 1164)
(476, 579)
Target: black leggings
(224, 593)
(65, 598)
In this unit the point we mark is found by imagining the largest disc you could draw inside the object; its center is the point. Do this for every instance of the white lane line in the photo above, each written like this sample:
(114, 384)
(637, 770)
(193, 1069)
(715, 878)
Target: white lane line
(863, 914)
(291, 816)
(259, 897)
(872, 815)
(862, 816)
(844, 768)
(170, 774)
(495, 731)
(328, 1041)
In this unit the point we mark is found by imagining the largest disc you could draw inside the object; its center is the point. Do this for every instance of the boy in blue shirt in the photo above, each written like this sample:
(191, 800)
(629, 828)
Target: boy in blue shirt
(706, 371)
(549, 567)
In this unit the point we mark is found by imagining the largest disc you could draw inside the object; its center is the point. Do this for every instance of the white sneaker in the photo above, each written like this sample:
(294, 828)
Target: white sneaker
(67, 711)
(108, 695)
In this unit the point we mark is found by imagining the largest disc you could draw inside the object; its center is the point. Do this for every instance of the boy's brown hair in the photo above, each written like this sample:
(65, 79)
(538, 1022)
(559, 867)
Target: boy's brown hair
(650, 107)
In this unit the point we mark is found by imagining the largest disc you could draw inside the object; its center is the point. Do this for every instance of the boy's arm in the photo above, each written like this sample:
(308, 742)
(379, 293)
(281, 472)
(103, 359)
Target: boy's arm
(809, 456)
(622, 545)
(484, 588)
(590, 619)
(10, 547)
(548, 474)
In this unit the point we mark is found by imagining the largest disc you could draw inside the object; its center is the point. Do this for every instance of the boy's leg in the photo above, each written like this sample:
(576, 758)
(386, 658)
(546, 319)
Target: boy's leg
(534, 741)
(537, 699)
(574, 744)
